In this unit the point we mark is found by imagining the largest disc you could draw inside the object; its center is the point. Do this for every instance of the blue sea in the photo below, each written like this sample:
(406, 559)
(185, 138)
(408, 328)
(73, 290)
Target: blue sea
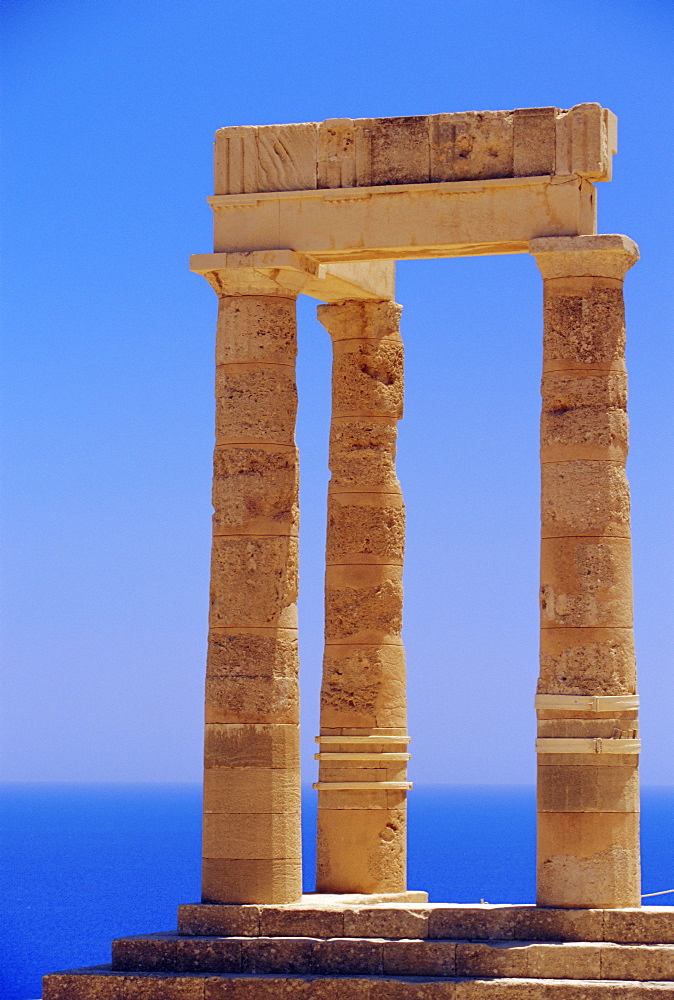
(84, 864)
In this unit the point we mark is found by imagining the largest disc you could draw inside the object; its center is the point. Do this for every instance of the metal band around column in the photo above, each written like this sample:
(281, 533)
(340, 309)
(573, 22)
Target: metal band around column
(375, 757)
(587, 703)
(599, 745)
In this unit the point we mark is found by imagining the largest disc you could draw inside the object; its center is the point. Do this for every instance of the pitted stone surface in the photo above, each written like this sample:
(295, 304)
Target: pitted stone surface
(364, 614)
(584, 498)
(256, 328)
(362, 454)
(255, 403)
(562, 391)
(345, 152)
(242, 745)
(587, 661)
(584, 329)
(255, 653)
(255, 490)
(367, 379)
(254, 581)
(364, 686)
(375, 529)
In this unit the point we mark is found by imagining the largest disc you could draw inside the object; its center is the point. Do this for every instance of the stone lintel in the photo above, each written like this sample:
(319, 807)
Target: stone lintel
(285, 272)
(407, 221)
(472, 145)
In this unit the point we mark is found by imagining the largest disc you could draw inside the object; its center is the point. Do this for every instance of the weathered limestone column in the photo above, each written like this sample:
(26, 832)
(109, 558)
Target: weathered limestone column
(588, 794)
(251, 840)
(362, 774)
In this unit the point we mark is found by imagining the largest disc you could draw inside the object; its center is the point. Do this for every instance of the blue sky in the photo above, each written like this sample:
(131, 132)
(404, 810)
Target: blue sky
(108, 115)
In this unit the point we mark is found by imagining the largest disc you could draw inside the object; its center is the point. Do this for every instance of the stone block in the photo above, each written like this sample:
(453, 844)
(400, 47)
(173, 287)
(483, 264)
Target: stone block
(519, 989)
(362, 685)
(584, 433)
(362, 454)
(287, 157)
(393, 988)
(641, 925)
(359, 770)
(255, 490)
(644, 962)
(336, 153)
(534, 141)
(208, 954)
(368, 528)
(588, 860)
(399, 921)
(420, 958)
(535, 923)
(474, 923)
(471, 145)
(256, 329)
(211, 919)
(586, 138)
(95, 983)
(584, 498)
(363, 605)
(253, 582)
(340, 988)
(366, 855)
(245, 745)
(158, 986)
(265, 158)
(367, 378)
(562, 726)
(253, 652)
(294, 987)
(146, 953)
(399, 151)
(255, 403)
(302, 921)
(347, 799)
(340, 956)
(251, 881)
(235, 159)
(252, 699)
(586, 582)
(572, 390)
(251, 790)
(258, 988)
(565, 960)
(268, 955)
(584, 321)
(496, 958)
(273, 836)
(587, 661)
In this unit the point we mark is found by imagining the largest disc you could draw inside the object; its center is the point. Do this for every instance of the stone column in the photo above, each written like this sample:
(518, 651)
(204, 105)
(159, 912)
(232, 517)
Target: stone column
(251, 839)
(362, 774)
(588, 797)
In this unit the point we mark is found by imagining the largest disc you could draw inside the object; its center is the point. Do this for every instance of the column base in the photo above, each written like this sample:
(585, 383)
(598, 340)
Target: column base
(329, 948)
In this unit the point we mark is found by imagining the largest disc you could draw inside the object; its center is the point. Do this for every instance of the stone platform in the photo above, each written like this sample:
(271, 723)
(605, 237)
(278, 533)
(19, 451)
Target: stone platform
(329, 948)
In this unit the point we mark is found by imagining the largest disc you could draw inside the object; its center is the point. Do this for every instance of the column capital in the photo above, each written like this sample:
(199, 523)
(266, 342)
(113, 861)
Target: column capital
(259, 272)
(352, 319)
(288, 273)
(584, 256)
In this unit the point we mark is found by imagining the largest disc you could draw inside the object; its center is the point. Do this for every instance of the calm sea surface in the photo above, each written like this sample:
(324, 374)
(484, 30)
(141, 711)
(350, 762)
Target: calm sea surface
(83, 864)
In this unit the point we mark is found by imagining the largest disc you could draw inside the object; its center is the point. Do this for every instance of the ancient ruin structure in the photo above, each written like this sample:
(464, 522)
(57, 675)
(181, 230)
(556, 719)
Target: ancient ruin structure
(325, 210)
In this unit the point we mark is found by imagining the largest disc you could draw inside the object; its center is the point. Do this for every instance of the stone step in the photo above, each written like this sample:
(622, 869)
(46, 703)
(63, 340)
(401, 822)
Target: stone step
(103, 983)
(484, 922)
(372, 956)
